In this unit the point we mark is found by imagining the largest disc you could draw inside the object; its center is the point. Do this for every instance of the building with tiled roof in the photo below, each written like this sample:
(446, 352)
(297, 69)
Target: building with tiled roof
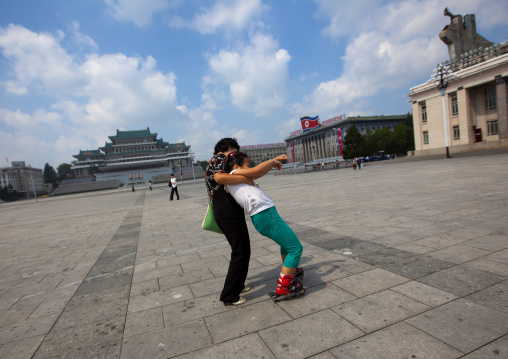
(133, 152)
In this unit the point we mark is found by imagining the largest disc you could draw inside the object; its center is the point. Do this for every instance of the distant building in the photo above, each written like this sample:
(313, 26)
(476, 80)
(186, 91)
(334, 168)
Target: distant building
(475, 95)
(261, 153)
(132, 156)
(323, 142)
(22, 178)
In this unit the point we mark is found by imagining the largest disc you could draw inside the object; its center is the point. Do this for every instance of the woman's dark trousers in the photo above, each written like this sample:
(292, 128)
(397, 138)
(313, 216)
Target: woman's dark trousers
(237, 234)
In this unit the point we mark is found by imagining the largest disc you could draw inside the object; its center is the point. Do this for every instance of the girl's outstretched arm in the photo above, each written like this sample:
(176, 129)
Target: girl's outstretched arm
(226, 178)
(263, 168)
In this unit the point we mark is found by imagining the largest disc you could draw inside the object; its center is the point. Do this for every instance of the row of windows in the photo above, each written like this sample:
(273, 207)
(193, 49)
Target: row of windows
(492, 129)
(130, 149)
(490, 102)
(128, 142)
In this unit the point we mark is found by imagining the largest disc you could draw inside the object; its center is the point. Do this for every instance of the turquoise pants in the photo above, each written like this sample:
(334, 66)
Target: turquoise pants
(269, 224)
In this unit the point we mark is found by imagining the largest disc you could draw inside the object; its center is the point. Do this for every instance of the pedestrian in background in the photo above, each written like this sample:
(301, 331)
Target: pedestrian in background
(174, 188)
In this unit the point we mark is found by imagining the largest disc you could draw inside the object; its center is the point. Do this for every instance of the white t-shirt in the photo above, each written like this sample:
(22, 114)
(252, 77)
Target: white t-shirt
(251, 198)
(173, 182)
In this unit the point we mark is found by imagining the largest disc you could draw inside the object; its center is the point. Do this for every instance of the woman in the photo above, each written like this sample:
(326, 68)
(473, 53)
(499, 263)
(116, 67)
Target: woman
(230, 218)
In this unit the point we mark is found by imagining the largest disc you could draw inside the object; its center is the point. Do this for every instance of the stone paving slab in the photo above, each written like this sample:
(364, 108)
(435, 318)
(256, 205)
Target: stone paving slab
(398, 341)
(402, 259)
(248, 346)
(245, 320)
(462, 324)
(379, 310)
(369, 282)
(328, 330)
(495, 350)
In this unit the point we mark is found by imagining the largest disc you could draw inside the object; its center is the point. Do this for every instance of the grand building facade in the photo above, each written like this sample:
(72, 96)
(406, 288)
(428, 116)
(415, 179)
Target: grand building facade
(132, 154)
(23, 179)
(466, 107)
(323, 143)
(263, 152)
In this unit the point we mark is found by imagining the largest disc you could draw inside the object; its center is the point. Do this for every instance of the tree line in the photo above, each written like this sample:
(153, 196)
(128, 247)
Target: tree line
(399, 141)
(55, 177)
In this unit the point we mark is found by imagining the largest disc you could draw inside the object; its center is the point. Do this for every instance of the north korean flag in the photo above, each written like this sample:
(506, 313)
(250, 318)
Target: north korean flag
(309, 123)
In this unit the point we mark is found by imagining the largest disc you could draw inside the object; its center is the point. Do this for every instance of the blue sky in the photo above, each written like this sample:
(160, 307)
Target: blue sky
(73, 72)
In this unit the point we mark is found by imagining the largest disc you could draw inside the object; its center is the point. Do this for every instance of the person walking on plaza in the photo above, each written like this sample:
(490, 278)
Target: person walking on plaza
(267, 221)
(230, 219)
(174, 188)
(354, 163)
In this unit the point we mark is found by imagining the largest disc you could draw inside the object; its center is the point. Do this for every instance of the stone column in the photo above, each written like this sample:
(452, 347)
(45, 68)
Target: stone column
(317, 150)
(322, 146)
(502, 107)
(306, 150)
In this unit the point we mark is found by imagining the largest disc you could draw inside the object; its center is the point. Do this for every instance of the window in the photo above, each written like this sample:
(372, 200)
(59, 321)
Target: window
(456, 133)
(425, 137)
(455, 104)
(490, 98)
(492, 128)
(423, 110)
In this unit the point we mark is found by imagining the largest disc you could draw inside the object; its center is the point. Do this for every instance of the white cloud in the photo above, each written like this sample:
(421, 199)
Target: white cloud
(79, 38)
(223, 14)
(256, 75)
(38, 62)
(139, 12)
(390, 45)
(112, 91)
(346, 18)
(100, 95)
(14, 88)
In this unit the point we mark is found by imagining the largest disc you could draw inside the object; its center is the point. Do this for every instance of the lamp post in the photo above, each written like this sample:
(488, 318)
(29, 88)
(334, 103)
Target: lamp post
(181, 173)
(32, 180)
(192, 163)
(441, 75)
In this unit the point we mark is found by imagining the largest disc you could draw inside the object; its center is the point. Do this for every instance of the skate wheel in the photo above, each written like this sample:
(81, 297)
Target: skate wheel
(274, 296)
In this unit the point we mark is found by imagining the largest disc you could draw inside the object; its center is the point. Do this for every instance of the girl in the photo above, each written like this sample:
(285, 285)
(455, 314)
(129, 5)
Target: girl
(267, 221)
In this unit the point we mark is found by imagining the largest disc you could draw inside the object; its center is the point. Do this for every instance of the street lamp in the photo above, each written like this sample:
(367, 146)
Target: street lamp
(192, 163)
(181, 172)
(32, 180)
(441, 75)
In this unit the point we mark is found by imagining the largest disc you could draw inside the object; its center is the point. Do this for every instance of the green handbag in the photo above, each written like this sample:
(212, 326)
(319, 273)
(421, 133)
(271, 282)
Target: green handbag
(209, 223)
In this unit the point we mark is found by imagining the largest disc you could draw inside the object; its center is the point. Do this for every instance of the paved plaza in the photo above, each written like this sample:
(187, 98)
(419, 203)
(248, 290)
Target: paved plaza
(402, 259)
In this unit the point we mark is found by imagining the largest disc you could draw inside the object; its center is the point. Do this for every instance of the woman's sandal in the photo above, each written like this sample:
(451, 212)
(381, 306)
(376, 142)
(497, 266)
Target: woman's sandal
(239, 302)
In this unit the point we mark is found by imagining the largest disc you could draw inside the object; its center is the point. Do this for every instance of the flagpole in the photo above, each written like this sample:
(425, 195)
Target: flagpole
(32, 180)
